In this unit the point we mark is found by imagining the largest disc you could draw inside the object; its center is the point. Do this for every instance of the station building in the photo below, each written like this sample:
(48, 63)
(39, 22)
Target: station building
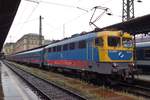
(9, 48)
(26, 42)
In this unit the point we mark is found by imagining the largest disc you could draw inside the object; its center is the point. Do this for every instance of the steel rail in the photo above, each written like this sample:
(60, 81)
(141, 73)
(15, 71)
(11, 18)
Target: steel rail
(59, 93)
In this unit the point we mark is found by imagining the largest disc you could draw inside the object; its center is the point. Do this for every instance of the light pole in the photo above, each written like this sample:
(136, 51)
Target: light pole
(40, 30)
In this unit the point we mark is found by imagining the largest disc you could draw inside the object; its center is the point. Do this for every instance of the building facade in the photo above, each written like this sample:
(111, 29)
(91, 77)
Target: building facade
(28, 41)
(9, 48)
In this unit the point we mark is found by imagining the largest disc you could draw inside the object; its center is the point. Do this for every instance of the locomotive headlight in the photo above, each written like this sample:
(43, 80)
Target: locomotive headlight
(115, 65)
(131, 64)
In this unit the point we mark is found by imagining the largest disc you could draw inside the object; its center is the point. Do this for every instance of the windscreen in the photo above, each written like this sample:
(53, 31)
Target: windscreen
(113, 41)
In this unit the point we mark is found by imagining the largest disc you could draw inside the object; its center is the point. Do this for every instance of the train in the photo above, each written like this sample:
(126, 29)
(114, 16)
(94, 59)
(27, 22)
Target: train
(105, 53)
(143, 57)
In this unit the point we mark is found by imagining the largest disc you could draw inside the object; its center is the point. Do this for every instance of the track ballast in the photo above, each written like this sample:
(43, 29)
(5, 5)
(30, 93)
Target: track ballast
(46, 89)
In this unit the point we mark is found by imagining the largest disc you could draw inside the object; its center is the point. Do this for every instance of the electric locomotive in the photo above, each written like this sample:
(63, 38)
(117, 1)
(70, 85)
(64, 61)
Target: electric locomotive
(104, 53)
(107, 53)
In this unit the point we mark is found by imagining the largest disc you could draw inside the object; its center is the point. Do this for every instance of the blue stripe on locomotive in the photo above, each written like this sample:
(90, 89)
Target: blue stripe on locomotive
(119, 55)
(89, 53)
(77, 54)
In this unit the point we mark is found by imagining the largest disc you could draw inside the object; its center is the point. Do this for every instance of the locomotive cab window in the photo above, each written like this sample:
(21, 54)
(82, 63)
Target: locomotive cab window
(72, 46)
(127, 42)
(65, 47)
(99, 41)
(113, 41)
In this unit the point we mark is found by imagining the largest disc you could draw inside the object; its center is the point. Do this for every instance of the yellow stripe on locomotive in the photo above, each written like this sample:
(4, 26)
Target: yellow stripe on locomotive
(115, 46)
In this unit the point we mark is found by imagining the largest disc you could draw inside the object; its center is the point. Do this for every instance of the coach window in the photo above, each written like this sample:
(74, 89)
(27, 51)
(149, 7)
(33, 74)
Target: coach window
(82, 44)
(72, 46)
(99, 41)
(147, 53)
(65, 47)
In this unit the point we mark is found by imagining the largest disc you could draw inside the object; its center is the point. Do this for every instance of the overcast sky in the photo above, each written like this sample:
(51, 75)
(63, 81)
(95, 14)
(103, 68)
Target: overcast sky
(59, 13)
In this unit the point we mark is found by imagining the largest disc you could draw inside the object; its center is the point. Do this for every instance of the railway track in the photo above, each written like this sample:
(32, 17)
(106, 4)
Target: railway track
(134, 88)
(138, 88)
(46, 89)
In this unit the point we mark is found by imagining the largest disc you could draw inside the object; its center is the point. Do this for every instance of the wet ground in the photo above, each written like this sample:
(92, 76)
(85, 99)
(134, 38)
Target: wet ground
(13, 86)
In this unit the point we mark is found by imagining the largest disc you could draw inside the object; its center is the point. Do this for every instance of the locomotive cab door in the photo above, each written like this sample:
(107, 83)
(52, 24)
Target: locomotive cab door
(100, 46)
(45, 55)
(89, 50)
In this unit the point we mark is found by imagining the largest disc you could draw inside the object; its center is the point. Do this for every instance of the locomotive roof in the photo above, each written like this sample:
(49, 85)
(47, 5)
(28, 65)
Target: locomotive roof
(77, 37)
(73, 39)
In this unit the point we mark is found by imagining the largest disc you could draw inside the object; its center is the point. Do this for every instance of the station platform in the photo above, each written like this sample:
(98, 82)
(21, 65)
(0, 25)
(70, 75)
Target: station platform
(13, 86)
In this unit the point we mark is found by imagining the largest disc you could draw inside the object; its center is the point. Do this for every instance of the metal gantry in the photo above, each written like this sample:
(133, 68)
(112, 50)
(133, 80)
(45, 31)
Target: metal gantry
(128, 10)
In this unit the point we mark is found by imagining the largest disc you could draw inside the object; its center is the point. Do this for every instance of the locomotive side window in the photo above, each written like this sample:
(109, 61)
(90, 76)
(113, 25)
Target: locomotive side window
(54, 49)
(113, 41)
(49, 49)
(147, 53)
(65, 47)
(58, 48)
(127, 42)
(82, 44)
(72, 46)
(99, 41)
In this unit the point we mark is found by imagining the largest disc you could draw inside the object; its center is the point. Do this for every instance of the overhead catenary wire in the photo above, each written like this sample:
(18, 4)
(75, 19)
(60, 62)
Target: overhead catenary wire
(33, 10)
(57, 4)
(28, 21)
(106, 2)
(64, 5)
(52, 3)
